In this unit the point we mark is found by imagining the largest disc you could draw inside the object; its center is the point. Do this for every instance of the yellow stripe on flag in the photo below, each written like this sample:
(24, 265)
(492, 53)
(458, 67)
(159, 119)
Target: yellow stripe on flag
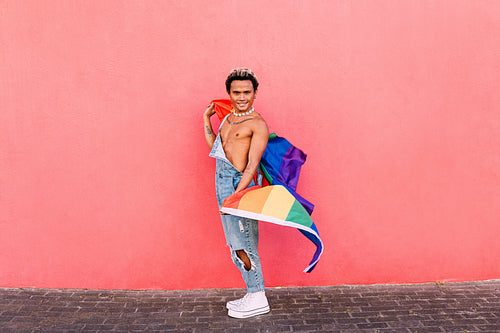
(253, 201)
(278, 203)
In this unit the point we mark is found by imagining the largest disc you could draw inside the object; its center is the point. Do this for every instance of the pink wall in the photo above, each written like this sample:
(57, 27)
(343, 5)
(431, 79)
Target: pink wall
(105, 180)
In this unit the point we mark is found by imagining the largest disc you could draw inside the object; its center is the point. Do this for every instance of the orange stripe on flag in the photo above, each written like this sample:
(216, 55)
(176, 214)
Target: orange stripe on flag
(254, 201)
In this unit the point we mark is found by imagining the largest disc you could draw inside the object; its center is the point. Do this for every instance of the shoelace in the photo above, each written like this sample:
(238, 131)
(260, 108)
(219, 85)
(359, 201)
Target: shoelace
(241, 300)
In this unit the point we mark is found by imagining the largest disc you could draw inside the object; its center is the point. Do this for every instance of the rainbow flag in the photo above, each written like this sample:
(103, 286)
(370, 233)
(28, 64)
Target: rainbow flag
(275, 204)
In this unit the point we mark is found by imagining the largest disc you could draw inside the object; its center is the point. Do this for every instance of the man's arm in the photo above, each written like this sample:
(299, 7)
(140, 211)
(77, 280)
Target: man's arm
(257, 148)
(209, 132)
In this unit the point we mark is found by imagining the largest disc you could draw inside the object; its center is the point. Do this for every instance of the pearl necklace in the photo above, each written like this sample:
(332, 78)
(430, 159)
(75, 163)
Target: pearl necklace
(242, 114)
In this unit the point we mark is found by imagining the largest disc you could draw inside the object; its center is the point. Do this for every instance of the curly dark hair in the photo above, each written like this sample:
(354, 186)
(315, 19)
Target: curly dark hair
(241, 74)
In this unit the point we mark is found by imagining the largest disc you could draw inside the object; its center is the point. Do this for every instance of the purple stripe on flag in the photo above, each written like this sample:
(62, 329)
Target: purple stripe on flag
(289, 170)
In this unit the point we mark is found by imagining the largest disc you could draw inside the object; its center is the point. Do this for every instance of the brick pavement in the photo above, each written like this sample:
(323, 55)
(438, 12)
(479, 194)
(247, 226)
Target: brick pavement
(454, 307)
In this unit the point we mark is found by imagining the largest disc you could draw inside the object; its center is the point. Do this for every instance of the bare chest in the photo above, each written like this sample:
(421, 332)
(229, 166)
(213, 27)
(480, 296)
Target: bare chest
(236, 131)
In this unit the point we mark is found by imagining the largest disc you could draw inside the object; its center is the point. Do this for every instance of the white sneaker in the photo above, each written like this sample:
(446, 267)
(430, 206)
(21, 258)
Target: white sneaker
(233, 304)
(252, 304)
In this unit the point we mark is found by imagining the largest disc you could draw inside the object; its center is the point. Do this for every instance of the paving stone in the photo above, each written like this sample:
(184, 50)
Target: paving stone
(454, 307)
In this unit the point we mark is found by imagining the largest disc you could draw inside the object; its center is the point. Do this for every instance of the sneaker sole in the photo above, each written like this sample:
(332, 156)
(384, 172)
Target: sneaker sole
(246, 314)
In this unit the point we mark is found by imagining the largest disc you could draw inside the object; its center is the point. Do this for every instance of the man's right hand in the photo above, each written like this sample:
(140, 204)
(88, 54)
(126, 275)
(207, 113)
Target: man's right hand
(210, 111)
(209, 132)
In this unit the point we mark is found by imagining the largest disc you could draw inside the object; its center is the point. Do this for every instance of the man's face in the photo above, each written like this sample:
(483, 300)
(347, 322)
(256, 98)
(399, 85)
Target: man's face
(242, 95)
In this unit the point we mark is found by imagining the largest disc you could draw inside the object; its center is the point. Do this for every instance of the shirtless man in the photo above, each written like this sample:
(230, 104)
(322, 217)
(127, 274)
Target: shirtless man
(238, 148)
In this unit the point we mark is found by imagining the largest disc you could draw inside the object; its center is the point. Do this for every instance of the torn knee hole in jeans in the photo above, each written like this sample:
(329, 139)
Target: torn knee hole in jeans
(252, 264)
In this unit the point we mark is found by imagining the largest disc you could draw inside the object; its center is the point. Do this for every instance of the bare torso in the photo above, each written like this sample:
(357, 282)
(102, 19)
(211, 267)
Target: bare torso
(236, 135)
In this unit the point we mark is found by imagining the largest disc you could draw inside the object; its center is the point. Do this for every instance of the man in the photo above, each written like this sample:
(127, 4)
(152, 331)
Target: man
(238, 148)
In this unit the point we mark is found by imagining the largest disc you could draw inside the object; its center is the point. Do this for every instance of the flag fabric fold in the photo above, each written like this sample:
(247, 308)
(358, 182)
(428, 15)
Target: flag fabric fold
(222, 107)
(281, 164)
(275, 204)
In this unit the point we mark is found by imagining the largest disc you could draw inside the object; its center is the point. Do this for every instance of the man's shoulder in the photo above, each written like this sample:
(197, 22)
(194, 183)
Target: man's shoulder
(259, 124)
(259, 119)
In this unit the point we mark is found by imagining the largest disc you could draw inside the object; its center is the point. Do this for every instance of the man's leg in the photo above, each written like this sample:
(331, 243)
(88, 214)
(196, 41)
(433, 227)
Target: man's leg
(246, 258)
(244, 240)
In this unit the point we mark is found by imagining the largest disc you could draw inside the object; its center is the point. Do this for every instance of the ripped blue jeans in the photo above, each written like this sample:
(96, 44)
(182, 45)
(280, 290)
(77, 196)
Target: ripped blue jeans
(241, 233)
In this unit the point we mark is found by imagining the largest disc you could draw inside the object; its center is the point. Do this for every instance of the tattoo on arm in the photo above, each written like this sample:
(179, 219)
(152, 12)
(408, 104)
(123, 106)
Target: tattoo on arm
(247, 170)
(208, 130)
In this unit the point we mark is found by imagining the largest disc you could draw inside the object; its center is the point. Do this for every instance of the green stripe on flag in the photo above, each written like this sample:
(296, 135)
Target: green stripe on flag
(299, 215)
(266, 174)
